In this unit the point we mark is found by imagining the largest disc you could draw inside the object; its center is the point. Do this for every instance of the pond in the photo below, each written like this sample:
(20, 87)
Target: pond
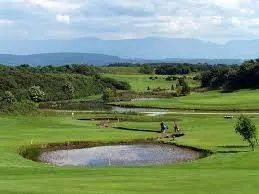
(121, 155)
(120, 109)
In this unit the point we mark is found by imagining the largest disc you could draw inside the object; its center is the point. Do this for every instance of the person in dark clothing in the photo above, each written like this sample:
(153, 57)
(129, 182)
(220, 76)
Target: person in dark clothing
(163, 127)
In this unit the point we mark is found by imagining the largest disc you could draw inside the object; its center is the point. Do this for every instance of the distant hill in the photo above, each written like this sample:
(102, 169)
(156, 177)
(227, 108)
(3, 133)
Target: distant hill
(151, 48)
(59, 59)
(94, 59)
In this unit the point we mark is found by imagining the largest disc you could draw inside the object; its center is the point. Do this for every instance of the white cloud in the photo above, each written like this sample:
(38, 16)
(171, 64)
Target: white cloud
(5, 22)
(216, 19)
(63, 18)
(230, 4)
(206, 19)
(60, 6)
(235, 21)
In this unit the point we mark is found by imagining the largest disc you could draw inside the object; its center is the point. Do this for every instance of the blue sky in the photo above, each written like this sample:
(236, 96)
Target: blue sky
(214, 20)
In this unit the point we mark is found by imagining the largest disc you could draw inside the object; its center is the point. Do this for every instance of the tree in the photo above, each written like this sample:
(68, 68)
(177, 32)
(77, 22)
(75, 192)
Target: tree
(8, 97)
(182, 87)
(36, 94)
(69, 90)
(147, 69)
(172, 87)
(178, 89)
(246, 128)
(108, 95)
(185, 88)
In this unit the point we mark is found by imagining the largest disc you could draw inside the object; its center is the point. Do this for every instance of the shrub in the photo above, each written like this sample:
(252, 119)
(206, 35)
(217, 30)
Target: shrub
(175, 78)
(174, 94)
(8, 97)
(36, 94)
(115, 84)
(172, 87)
(23, 106)
(108, 95)
(185, 88)
(196, 78)
(6, 100)
(146, 69)
(182, 87)
(69, 90)
(246, 128)
(169, 78)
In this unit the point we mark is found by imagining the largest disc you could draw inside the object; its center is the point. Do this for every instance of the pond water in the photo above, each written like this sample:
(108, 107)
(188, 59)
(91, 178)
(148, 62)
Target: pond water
(137, 110)
(120, 155)
(146, 99)
(94, 106)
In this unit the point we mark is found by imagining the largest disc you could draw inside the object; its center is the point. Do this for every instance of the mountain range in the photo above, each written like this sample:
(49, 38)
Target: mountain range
(82, 50)
(95, 59)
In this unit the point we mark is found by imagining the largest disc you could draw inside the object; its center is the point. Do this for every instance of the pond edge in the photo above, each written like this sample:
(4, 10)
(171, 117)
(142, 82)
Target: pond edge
(32, 152)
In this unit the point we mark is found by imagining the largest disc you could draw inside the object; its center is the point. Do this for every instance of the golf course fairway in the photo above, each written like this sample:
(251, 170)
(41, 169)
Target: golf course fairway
(212, 100)
(232, 169)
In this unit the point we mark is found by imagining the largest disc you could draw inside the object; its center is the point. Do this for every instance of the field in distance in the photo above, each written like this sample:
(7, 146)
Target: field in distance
(212, 100)
(140, 82)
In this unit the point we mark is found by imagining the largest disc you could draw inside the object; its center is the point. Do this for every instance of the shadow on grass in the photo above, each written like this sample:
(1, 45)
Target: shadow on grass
(233, 146)
(232, 151)
(139, 130)
(237, 149)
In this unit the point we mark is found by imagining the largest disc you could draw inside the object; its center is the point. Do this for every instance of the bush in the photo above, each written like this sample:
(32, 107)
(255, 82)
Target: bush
(6, 100)
(196, 78)
(108, 95)
(146, 69)
(182, 87)
(172, 87)
(246, 128)
(174, 94)
(175, 78)
(7, 97)
(159, 89)
(115, 84)
(185, 88)
(69, 90)
(169, 78)
(23, 106)
(36, 94)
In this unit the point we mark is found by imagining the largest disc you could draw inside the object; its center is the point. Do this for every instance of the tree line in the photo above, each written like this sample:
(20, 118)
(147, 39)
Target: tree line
(245, 76)
(171, 68)
(24, 85)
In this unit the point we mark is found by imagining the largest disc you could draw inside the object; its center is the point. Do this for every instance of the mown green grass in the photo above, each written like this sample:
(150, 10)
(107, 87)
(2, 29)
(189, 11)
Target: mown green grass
(212, 100)
(223, 172)
(141, 82)
(120, 70)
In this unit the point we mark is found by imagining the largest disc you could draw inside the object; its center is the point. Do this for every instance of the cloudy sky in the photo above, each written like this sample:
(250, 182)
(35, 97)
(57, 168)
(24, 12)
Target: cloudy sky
(214, 20)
